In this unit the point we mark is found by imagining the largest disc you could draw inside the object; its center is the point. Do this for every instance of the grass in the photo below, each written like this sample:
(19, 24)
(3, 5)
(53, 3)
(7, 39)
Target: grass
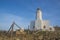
(41, 35)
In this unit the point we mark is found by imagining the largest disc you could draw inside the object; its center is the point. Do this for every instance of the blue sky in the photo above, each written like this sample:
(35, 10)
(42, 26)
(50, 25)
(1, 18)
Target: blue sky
(23, 11)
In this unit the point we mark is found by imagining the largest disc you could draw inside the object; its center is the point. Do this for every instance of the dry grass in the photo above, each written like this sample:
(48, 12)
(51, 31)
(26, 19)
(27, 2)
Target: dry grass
(31, 36)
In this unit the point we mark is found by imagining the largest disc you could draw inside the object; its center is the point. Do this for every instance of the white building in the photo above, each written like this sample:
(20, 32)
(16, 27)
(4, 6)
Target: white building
(39, 23)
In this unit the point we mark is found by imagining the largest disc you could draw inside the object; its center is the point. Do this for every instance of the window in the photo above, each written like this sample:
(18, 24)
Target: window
(44, 26)
(50, 28)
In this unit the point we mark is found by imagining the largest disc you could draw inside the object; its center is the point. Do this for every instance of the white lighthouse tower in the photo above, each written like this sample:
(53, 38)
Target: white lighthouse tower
(38, 21)
(38, 14)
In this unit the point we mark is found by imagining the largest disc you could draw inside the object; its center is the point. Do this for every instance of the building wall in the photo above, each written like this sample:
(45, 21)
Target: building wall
(38, 24)
(51, 28)
(32, 25)
(45, 23)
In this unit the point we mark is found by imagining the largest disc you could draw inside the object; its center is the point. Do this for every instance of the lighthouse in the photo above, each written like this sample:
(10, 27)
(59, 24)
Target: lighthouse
(38, 21)
(38, 14)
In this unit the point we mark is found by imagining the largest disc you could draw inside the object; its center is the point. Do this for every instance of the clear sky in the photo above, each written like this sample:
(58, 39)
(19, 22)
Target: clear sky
(23, 11)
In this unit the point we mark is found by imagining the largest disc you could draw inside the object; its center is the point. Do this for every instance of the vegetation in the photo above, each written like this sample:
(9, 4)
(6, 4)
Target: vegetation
(31, 35)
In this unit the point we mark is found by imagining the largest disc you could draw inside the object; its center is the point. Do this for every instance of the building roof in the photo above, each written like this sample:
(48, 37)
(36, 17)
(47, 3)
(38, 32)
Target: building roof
(38, 8)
